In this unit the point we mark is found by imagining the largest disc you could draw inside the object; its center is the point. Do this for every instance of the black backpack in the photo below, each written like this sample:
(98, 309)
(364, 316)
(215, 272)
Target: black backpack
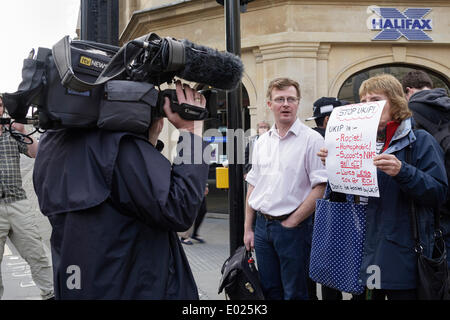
(441, 132)
(240, 278)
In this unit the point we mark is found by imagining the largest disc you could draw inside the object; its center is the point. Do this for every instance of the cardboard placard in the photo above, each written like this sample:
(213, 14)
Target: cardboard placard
(351, 142)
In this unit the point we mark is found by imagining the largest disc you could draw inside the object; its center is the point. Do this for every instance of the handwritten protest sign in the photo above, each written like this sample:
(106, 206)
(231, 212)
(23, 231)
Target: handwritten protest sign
(351, 142)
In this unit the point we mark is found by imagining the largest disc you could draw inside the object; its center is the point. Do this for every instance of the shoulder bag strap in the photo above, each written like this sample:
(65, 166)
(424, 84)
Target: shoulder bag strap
(63, 60)
(413, 213)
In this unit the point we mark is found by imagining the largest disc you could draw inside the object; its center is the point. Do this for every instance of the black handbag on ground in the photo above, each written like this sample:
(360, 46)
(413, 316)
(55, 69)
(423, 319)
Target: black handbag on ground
(240, 278)
(433, 282)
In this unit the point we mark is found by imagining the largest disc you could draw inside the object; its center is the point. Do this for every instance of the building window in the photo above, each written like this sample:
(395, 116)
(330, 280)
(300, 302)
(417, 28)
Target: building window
(350, 89)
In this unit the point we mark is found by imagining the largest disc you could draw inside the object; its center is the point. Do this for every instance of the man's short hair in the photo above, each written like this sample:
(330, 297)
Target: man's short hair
(392, 88)
(281, 84)
(416, 79)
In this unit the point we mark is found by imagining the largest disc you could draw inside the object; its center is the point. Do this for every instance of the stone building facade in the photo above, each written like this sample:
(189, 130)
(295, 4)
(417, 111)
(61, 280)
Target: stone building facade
(328, 46)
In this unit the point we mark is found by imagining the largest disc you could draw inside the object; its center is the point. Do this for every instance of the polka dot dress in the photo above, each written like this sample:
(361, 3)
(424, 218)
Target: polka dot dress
(337, 245)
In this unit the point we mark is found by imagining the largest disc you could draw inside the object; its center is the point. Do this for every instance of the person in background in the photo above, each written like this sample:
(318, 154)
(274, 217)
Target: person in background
(17, 220)
(200, 218)
(285, 180)
(192, 233)
(389, 243)
(261, 127)
(322, 109)
(430, 106)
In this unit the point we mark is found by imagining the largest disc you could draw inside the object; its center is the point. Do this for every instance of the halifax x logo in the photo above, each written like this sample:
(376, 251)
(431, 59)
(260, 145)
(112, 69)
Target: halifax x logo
(395, 24)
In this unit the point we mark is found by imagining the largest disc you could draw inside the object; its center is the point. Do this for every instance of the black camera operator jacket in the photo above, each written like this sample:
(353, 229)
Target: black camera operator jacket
(115, 204)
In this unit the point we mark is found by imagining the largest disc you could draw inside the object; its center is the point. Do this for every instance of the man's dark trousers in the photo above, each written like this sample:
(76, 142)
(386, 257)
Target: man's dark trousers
(283, 258)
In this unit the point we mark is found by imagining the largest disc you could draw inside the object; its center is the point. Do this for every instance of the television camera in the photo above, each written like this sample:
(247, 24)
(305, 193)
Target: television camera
(84, 84)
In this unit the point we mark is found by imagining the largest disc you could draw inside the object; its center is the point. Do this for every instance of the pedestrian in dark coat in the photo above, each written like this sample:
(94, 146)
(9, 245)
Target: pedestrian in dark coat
(115, 205)
(431, 110)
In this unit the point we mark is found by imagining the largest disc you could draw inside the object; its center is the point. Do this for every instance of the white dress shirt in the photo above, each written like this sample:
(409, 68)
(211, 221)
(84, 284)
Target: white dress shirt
(284, 170)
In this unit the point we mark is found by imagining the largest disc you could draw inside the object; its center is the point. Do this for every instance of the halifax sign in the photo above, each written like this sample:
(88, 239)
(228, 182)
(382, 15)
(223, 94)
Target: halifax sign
(395, 24)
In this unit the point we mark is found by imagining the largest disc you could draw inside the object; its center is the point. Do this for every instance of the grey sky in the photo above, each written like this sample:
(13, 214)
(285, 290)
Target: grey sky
(27, 24)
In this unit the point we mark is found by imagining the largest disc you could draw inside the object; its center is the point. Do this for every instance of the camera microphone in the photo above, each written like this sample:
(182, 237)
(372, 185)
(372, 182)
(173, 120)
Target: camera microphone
(221, 70)
(160, 59)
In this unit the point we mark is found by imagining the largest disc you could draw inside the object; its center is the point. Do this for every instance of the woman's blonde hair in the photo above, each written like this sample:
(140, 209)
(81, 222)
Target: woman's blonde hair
(392, 88)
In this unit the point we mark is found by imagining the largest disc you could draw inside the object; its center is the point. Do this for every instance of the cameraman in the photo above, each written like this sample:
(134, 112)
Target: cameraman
(115, 204)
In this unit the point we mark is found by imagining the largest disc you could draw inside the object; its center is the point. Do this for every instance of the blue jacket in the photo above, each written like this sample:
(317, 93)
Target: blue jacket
(115, 205)
(389, 243)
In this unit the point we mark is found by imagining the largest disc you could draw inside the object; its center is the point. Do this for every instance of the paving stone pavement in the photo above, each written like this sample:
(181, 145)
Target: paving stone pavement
(206, 259)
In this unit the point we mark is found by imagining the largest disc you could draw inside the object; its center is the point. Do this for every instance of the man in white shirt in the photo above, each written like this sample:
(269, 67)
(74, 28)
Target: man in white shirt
(285, 180)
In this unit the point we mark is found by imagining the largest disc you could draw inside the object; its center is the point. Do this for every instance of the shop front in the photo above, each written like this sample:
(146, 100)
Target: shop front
(329, 47)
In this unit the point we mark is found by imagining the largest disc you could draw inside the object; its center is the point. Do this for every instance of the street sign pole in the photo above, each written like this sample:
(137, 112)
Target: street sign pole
(234, 118)
(100, 21)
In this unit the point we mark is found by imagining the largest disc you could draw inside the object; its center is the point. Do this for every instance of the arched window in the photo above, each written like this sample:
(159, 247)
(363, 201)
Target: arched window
(350, 88)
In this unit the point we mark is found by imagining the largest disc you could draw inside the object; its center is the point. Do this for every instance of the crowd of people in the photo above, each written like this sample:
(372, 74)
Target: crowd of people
(284, 219)
(117, 230)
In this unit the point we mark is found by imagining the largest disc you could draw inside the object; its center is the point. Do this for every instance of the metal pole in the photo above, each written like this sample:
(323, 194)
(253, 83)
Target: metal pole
(100, 21)
(87, 30)
(234, 118)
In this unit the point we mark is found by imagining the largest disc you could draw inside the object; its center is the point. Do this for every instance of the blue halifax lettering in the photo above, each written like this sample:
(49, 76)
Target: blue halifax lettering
(426, 24)
(395, 24)
(388, 24)
(420, 24)
(377, 24)
(408, 23)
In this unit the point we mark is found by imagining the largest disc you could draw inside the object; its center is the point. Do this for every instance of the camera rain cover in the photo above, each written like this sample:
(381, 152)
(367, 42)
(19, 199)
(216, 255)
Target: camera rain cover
(127, 106)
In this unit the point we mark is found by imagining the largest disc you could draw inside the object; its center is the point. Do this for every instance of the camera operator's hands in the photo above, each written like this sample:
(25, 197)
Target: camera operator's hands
(185, 94)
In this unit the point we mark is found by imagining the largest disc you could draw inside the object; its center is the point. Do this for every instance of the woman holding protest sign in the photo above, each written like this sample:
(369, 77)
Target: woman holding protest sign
(389, 244)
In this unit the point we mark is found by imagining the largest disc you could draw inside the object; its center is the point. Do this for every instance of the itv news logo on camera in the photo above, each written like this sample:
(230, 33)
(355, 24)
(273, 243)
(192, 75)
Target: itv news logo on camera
(395, 24)
(91, 63)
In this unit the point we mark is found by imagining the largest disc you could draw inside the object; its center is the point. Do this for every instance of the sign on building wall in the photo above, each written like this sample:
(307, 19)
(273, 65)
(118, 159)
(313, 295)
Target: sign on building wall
(394, 24)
